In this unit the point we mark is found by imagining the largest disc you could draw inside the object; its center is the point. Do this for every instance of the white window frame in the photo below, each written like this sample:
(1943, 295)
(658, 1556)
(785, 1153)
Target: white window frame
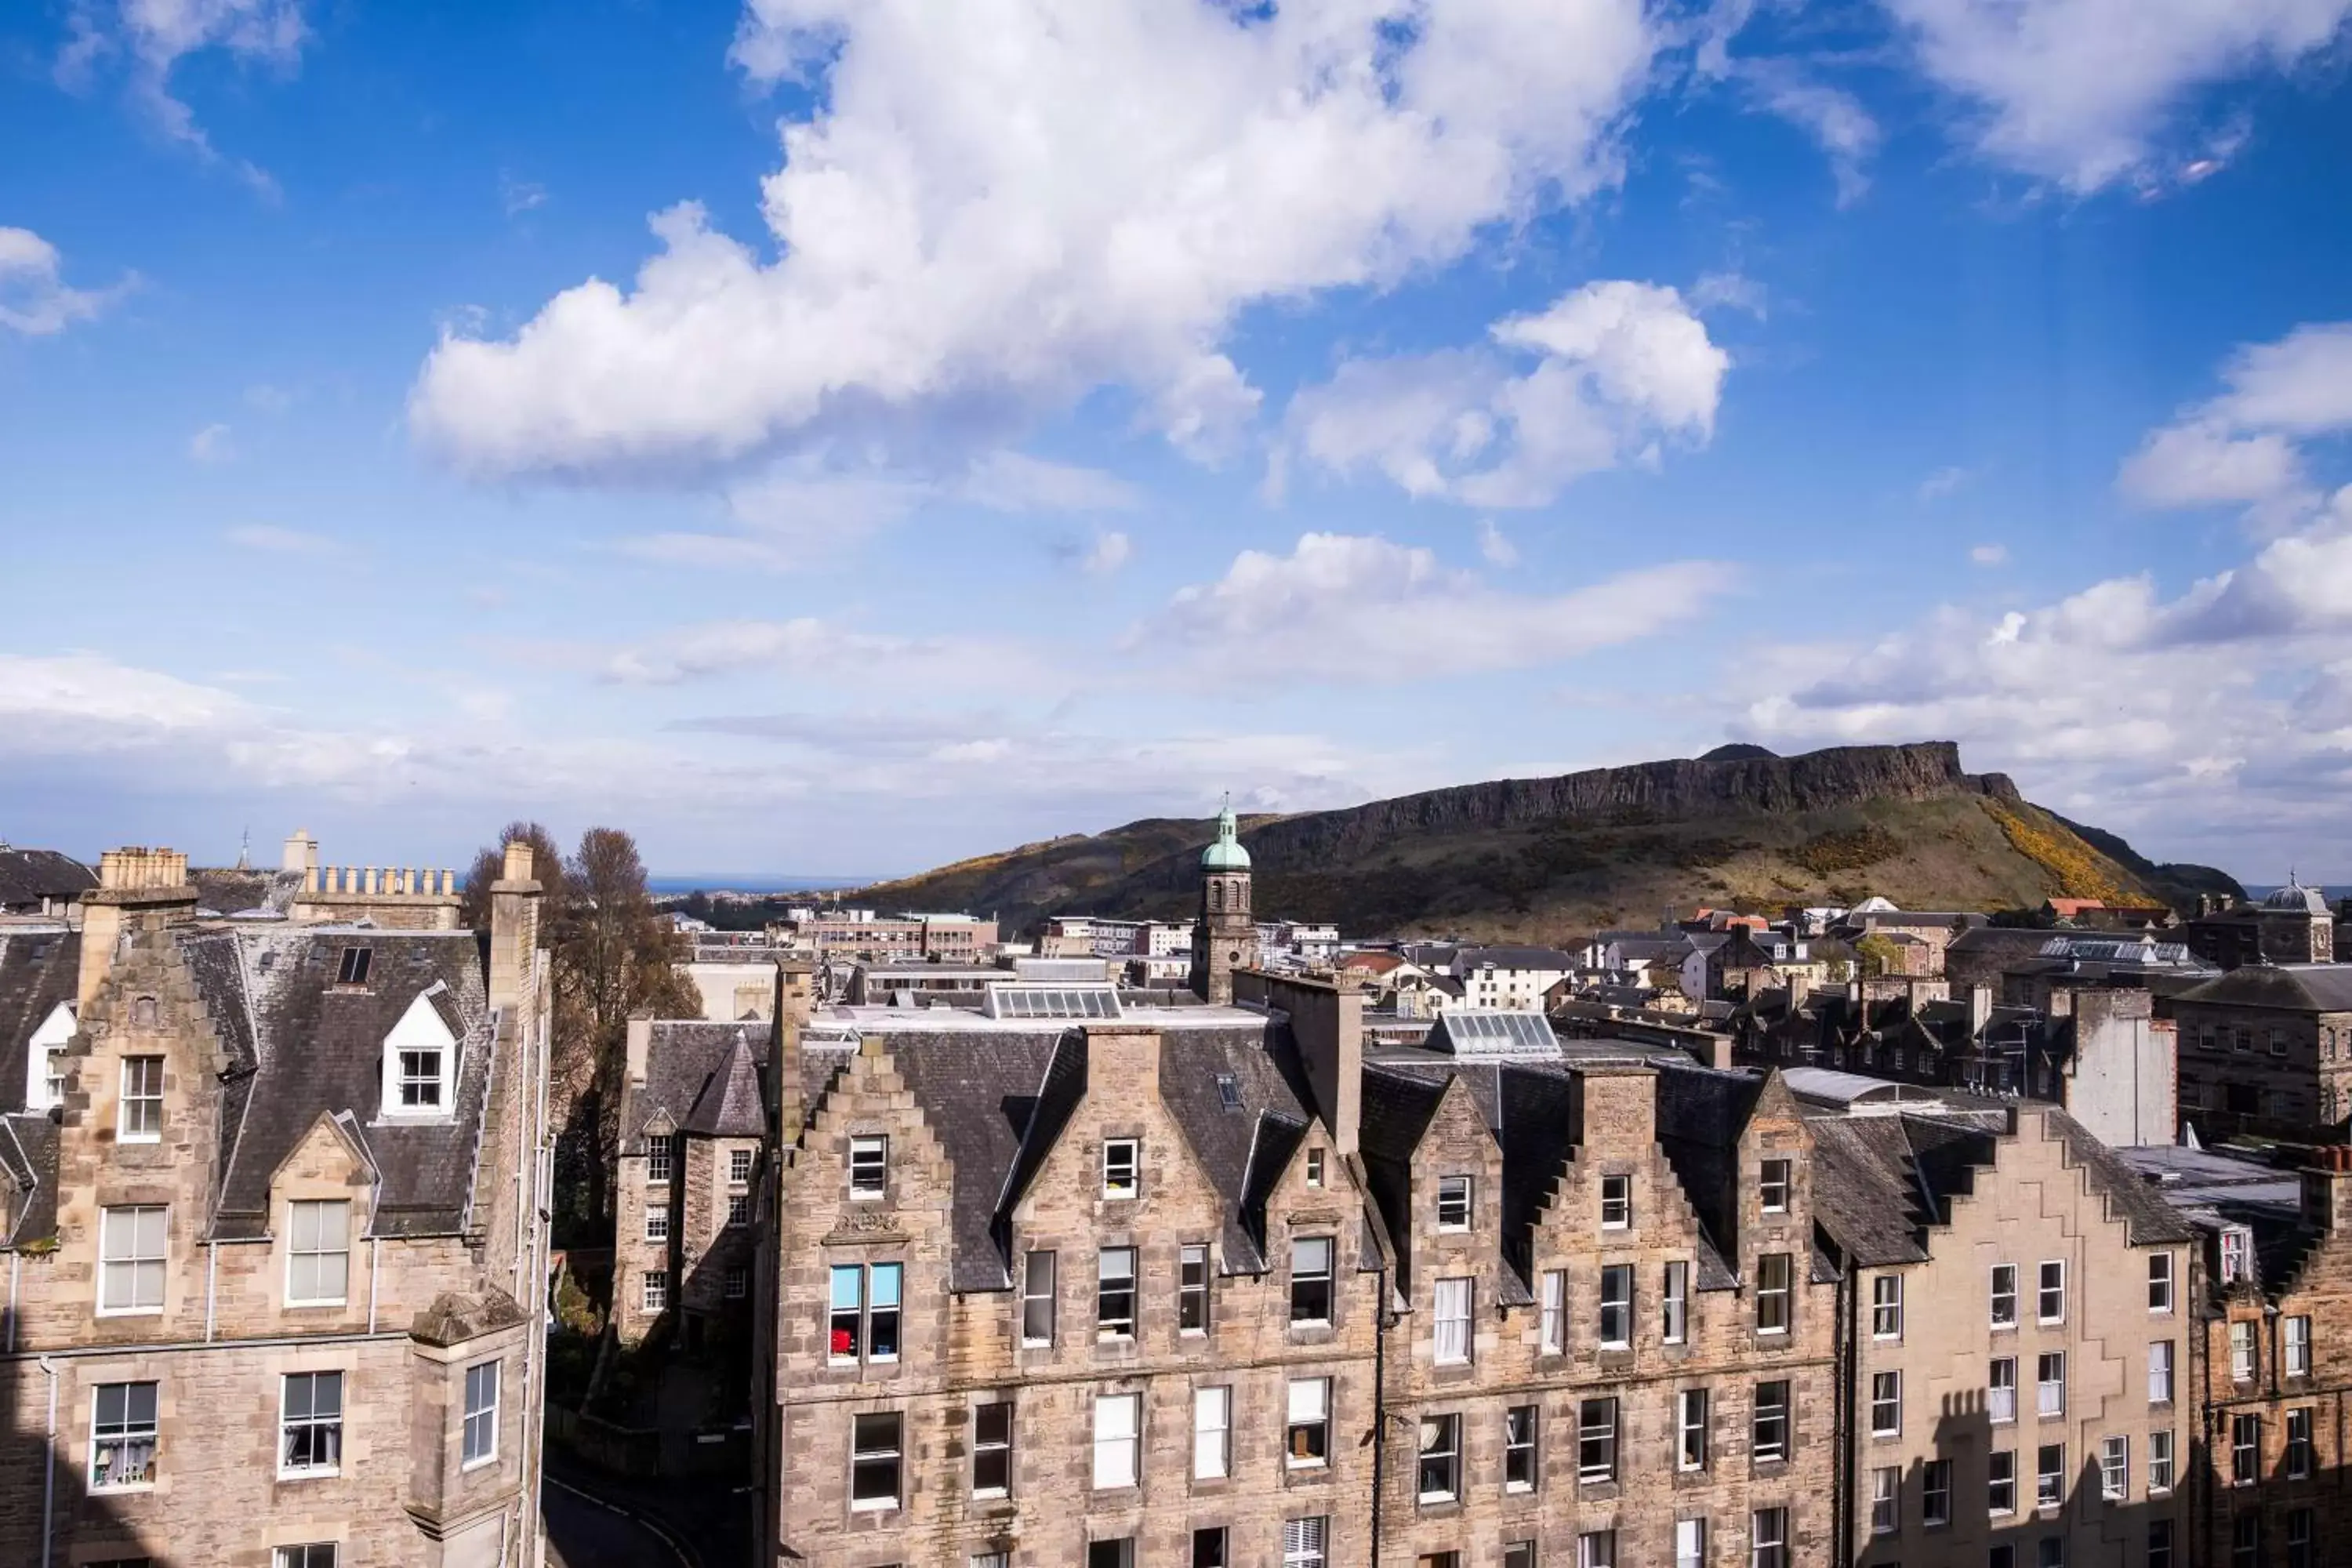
(1995, 1389)
(478, 1428)
(1108, 1262)
(1122, 1154)
(2049, 1480)
(1767, 1538)
(1690, 1429)
(1778, 1451)
(2242, 1351)
(1784, 1292)
(2050, 1393)
(1613, 1324)
(125, 1432)
(1515, 1443)
(1328, 1274)
(653, 1290)
(737, 1282)
(1193, 1271)
(1551, 1330)
(1118, 1442)
(2237, 1254)
(1616, 1203)
(1596, 1548)
(1304, 1541)
(2297, 1424)
(318, 1210)
(1455, 1204)
(121, 1227)
(311, 1422)
(1606, 1432)
(1213, 1433)
(2114, 1467)
(1307, 1406)
(2160, 1386)
(661, 1158)
(1448, 1424)
(1885, 1499)
(985, 1445)
(146, 1099)
(1886, 1403)
(2294, 1346)
(1886, 1307)
(420, 1031)
(1675, 1303)
(1690, 1543)
(2000, 1297)
(2043, 1290)
(869, 1308)
(1315, 1167)
(1774, 1182)
(311, 1554)
(1935, 1492)
(1034, 1299)
(1450, 1319)
(895, 1453)
(870, 1166)
(2001, 1481)
(658, 1222)
(2160, 1282)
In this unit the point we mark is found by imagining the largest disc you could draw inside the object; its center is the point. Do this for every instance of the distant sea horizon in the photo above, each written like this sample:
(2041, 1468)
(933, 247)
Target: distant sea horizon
(753, 882)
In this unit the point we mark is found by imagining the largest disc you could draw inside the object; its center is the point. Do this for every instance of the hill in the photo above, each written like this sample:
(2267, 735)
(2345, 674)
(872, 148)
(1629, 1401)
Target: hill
(1535, 859)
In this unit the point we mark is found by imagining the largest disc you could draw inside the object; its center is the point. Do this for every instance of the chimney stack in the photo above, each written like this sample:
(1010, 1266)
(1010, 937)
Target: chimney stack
(514, 928)
(639, 1046)
(2328, 1188)
(138, 889)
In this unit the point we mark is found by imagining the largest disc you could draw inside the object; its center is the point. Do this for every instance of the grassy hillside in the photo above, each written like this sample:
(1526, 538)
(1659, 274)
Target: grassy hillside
(1485, 862)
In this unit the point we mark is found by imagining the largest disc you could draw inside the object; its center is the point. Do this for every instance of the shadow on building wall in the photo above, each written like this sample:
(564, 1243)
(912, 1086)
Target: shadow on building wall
(46, 1480)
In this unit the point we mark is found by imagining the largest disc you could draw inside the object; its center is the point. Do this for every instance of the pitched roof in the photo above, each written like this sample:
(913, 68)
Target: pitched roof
(684, 1058)
(28, 1162)
(29, 878)
(729, 1105)
(40, 970)
(2290, 987)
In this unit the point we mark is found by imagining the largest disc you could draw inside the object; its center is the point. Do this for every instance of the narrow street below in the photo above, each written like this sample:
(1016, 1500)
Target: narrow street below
(584, 1533)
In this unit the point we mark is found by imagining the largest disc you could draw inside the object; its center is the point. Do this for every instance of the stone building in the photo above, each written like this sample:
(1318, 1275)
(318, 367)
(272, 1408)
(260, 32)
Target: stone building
(2292, 925)
(2267, 1050)
(274, 1257)
(1224, 937)
(2025, 1312)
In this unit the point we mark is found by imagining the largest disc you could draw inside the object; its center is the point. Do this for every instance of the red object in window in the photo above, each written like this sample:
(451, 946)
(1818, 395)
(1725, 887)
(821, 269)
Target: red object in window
(840, 1341)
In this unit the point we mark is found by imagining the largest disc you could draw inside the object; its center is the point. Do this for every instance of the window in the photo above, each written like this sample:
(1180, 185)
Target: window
(1616, 1203)
(1690, 1543)
(1440, 1477)
(2242, 1039)
(2298, 1443)
(2299, 1539)
(2004, 1295)
(318, 1554)
(739, 1209)
(1617, 1306)
(1773, 1277)
(2000, 1389)
(1519, 1448)
(1690, 1429)
(2242, 1351)
(864, 1312)
(738, 1281)
(131, 1245)
(2050, 1476)
(1115, 1293)
(2278, 1041)
(1767, 1538)
(2115, 1468)
(1453, 1203)
(1302, 1541)
(2297, 1344)
(2050, 1384)
(661, 1158)
(1119, 1554)
(353, 967)
(1886, 1307)
(870, 1166)
(2050, 1296)
(1452, 1322)
(1552, 1326)
(1597, 1549)
(991, 1448)
(738, 1165)
(1208, 1548)
(1935, 1492)
(1306, 1442)
(2159, 1373)
(2050, 1551)
(2159, 1282)
(1885, 1403)
(1122, 1168)
(1519, 1554)
(2246, 1539)
(1038, 1298)
(418, 1079)
(1192, 1290)
(479, 1439)
(1596, 1440)
(1885, 1499)
(874, 1458)
(2159, 1544)
(1213, 1427)
(658, 1225)
(1310, 1280)
(2237, 1247)
(1314, 1169)
(139, 1116)
(318, 1253)
(122, 1436)
(991, 1559)
(1118, 1435)
(1769, 1434)
(2001, 1482)
(653, 1287)
(310, 1431)
(1773, 1190)
(2159, 1461)
(1676, 1299)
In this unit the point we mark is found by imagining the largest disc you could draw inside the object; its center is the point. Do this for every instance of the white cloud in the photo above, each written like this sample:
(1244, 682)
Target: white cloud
(1943, 482)
(2240, 446)
(281, 541)
(997, 206)
(807, 649)
(519, 197)
(2082, 92)
(1345, 606)
(1110, 552)
(1618, 367)
(156, 34)
(1990, 555)
(43, 695)
(1494, 548)
(211, 445)
(34, 299)
(1833, 118)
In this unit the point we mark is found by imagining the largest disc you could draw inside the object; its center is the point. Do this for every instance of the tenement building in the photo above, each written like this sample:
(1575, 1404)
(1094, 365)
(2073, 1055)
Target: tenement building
(2267, 1049)
(1059, 1280)
(271, 1216)
(2024, 1321)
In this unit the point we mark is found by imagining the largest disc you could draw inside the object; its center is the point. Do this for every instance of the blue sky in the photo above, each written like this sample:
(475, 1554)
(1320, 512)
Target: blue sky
(838, 437)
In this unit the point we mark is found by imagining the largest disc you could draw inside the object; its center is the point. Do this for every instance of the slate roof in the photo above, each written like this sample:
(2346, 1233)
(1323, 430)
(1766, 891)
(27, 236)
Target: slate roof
(300, 1046)
(1514, 958)
(30, 876)
(1701, 1113)
(28, 1162)
(729, 1105)
(684, 1059)
(40, 968)
(2292, 987)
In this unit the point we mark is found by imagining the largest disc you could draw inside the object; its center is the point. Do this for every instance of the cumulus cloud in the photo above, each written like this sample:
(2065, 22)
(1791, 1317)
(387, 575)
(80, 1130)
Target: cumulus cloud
(994, 208)
(2084, 92)
(2240, 448)
(1617, 368)
(34, 299)
(153, 35)
(1343, 606)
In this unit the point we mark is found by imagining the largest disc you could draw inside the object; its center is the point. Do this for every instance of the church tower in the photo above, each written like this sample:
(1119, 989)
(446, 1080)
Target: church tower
(1224, 938)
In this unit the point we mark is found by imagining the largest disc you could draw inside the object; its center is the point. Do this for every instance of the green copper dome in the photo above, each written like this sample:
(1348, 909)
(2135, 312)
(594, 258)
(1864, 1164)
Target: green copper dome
(1226, 854)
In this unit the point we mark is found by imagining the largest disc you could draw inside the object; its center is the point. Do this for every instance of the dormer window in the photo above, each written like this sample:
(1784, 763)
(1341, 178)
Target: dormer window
(1122, 1173)
(1616, 1203)
(870, 1166)
(1315, 1167)
(45, 1071)
(2237, 1251)
(352, 968)
(420, 1063)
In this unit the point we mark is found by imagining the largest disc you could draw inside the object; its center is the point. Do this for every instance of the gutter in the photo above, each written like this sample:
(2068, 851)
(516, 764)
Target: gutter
(49, 1463)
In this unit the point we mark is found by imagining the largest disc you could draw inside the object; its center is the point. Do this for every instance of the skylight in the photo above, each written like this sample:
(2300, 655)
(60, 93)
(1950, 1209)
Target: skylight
(1018, 1000)
(1496, 1032)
